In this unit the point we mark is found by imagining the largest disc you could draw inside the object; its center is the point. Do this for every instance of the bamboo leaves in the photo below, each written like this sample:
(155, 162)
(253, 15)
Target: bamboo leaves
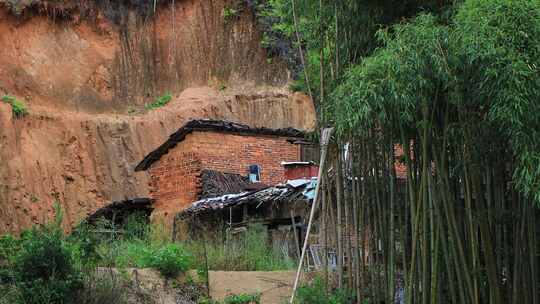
(462, 94)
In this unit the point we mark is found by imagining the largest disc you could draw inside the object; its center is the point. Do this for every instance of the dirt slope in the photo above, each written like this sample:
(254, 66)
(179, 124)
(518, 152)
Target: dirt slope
(86, 78)
(275, 287)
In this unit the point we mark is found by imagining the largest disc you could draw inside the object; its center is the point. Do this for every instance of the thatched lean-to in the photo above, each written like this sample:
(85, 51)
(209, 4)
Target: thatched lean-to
(273, 207)
(286, 193)
(117, 211)
(216, 183)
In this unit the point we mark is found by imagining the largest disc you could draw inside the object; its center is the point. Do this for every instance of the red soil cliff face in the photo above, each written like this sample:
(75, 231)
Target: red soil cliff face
(85, 80)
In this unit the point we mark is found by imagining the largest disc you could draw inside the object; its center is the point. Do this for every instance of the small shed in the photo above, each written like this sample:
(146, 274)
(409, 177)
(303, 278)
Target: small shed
(282, 209)
(117, 212)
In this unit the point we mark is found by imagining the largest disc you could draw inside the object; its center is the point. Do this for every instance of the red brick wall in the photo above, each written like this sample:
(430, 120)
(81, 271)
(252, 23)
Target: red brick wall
(234, 153)
(301, 171)
(174, 183)
(175, 177)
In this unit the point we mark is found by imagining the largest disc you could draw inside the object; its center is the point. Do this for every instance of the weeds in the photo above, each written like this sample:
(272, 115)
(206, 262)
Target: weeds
(316, 293)
(18, 108)
(102, 289)
(41, 266)
(235, 299)
(230, 13)
(137, 245)
(159, 102)
(250, 252)
(243, 299)
(170, 260)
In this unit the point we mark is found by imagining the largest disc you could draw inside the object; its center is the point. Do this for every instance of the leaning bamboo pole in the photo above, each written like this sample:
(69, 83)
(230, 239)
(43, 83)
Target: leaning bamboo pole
(325, 138)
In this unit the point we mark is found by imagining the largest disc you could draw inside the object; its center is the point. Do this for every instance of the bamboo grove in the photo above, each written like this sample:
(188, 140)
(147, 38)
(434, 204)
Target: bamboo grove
(434, 183)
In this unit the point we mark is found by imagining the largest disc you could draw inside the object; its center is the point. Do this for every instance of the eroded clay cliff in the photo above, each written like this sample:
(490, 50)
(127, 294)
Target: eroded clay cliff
(86, 77)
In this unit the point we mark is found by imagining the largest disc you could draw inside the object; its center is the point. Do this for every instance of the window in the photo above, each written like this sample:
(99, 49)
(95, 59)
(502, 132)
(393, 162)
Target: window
(254, 173)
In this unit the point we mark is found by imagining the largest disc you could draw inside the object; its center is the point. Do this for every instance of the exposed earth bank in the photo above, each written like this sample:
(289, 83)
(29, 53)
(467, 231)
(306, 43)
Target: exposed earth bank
(86, 77)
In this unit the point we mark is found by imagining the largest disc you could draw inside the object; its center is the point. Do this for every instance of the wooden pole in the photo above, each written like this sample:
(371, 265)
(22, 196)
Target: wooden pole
(325, 138)
(295, 234)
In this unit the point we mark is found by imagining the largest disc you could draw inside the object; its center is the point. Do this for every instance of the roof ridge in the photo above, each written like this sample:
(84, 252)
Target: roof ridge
(213, 125)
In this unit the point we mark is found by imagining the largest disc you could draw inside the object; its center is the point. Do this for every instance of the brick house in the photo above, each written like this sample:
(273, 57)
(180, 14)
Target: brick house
(175, 167)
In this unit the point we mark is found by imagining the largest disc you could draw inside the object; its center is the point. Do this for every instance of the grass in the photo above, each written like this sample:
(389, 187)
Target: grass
(316, 293)
(139, 245)
(18, 107)
(235, 299)
(243, 299)
(250, 252)
(102, 289)
(229, 13)
(159, 102)
(62, 269)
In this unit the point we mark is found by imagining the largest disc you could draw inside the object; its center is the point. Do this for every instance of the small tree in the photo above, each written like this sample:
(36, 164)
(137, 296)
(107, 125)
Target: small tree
(43, 268)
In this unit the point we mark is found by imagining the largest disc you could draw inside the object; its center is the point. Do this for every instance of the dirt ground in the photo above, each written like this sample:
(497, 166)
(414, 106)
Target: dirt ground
(275, 287)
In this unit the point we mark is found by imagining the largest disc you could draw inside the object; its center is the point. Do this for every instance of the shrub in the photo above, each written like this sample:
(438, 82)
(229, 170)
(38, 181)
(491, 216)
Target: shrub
(141, 246)
(159, 102)
(136, 226)
(127, 253)
(9, 246)
(84, 245)
(316, 294)
(18, 107)
(229, 13)
(43, 268)
(234, 299)
(170, 260)
(243, 299)
(205, 300)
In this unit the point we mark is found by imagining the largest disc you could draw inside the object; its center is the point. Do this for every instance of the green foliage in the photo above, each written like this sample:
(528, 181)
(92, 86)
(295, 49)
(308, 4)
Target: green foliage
(18, 107)
(84, 243)
(9, 246)
(43, 268)
(274, 21)
(498, 55)
(102, 289)
(39, 267)
(482, 69)
(248, 252)
(136, 226)
(392, 85)
(170, 260)
(315, 293)
(234, 299)
(344, 31)
(229, 13)
(138, 245)
(205, 300)
(243, 299)
(159, 102)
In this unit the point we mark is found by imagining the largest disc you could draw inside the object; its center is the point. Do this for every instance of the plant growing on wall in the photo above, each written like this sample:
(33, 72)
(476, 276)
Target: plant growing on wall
(229, 13)
(159, 102)
(18, 107)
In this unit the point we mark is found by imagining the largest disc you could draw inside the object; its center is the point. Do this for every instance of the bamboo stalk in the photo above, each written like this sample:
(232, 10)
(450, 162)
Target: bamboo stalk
(325, 138)
(339, 218)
